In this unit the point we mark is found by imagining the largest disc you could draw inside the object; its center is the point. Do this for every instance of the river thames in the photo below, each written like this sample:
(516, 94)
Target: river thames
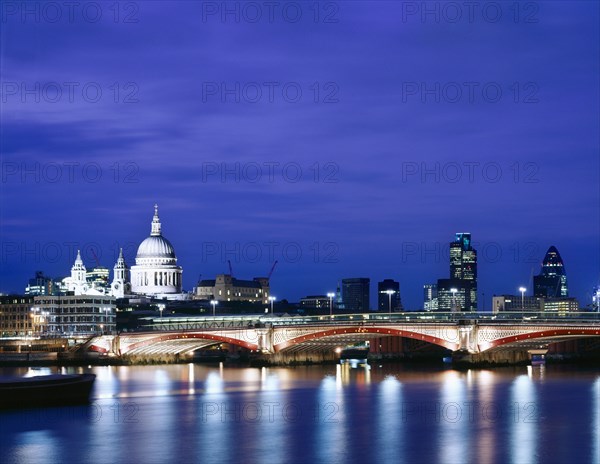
(315, 414)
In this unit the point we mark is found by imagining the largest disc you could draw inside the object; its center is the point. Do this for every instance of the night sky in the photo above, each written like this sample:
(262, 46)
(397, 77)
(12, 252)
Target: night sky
(343, 139)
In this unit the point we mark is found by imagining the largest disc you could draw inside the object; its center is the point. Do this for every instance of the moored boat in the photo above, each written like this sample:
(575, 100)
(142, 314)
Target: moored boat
(45, 390)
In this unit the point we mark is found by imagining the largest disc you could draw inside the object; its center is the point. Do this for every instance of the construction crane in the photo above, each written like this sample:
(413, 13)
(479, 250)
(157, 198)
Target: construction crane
(272, 269)
(95, 257)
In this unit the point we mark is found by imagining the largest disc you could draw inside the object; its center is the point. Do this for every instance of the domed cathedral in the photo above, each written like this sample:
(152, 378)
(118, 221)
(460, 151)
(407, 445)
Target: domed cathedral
(156, 271)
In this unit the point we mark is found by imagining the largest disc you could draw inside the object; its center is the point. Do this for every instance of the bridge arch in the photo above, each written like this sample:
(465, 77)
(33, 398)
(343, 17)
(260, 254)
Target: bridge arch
(547, 336)
(208, 338)
(360, 333)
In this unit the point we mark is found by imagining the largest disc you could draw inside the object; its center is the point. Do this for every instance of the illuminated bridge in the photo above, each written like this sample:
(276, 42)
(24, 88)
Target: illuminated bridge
(470, 333)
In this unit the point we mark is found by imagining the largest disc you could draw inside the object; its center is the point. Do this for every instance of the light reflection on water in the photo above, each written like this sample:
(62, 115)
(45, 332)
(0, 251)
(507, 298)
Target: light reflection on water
(524, 435)
(341, 413)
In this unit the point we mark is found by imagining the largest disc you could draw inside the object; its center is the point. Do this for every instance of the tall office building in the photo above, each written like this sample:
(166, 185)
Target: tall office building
(383, 299)
(552, 280)
(463, 277)
(596, 299)
(430, 297)
(41, 285)
(356, 294)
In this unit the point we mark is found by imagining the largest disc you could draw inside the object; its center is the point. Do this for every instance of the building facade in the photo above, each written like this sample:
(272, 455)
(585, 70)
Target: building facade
(16, 317)
(534, 304)
(41, 285)
(596, 299)
(356, 294)
(430, 297)
(517, 303)
(383, 299)
(76, 315)
(225, 287)
(452, 295)
(316, 302)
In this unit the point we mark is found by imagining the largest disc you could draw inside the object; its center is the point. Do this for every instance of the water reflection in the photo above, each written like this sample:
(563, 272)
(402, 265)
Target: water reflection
(449, 413)
(488, 418)
(330, 416)
(523, 428)
(596, 414)
(389, 444)
(350, 412)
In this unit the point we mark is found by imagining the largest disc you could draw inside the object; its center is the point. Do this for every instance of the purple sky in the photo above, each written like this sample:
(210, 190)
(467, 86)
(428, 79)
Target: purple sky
(398, 140)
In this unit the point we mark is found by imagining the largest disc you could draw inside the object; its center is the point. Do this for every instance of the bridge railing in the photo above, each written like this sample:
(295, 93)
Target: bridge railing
(260, 320)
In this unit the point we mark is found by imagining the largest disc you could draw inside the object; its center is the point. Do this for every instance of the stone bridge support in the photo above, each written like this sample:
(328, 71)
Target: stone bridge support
(467, 336)
(265, 340)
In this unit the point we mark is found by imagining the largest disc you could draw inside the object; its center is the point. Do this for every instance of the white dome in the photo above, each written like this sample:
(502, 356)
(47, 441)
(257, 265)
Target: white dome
(155, 271)
(156, 246)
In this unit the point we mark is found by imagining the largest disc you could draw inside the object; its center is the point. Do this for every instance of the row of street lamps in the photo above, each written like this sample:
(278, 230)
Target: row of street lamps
(214, 304)
(272, 299)
(330, 295)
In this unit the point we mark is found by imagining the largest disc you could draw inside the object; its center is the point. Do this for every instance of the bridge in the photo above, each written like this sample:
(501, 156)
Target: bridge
(467, 333)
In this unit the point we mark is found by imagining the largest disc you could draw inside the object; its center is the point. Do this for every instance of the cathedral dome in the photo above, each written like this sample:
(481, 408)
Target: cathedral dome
(156, 271)
(156, 247)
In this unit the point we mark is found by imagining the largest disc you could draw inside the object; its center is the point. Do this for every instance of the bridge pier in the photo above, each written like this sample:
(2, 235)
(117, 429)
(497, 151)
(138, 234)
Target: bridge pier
(467, 336)
(265, 340)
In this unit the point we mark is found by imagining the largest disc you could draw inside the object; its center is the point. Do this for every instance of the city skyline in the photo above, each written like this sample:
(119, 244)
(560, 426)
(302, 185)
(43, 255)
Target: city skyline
(374, 298)
(173, 171)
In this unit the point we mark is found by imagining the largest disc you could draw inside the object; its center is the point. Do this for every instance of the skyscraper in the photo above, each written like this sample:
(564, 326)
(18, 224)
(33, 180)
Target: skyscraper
(430, 297)
(356, 294)
(552, 280)
(383, 299)
(463, 277)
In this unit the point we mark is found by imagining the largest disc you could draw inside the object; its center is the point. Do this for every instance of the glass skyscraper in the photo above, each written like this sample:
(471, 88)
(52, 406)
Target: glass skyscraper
(552, 280)
(463, 277)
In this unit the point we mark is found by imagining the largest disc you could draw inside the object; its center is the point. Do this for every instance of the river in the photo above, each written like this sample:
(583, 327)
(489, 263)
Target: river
(386, 413)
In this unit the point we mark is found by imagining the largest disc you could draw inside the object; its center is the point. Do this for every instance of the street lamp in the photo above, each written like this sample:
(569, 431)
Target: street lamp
(161, 308)
(522, 290)
(330, 295)
(454, 291)
(389, 292)
(272, 299)
(214, 303)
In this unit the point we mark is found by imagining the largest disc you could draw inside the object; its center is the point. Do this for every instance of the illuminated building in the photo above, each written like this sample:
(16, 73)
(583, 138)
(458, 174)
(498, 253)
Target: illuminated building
(459, 292)
(315, 302)
(227, 288)
(16, 317)
(41, 285)
(68, 315)
(430, 297)
(121, 285)
(552, 280)
(156, 273)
